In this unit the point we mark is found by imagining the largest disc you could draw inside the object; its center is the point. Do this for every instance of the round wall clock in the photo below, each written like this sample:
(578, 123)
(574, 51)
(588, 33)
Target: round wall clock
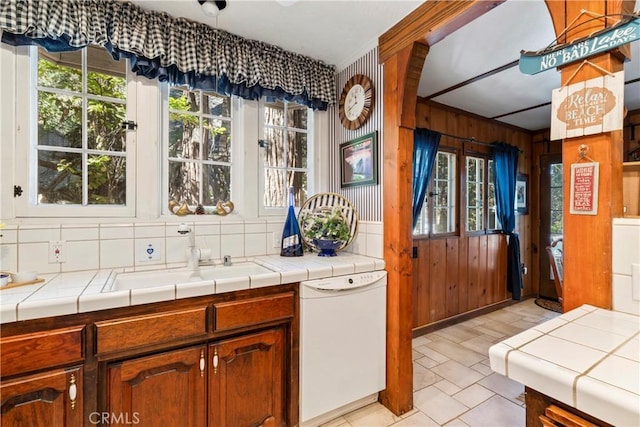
(356, 102)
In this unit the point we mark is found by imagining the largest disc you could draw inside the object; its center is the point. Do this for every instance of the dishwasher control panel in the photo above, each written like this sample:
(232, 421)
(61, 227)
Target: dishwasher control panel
(344, 283)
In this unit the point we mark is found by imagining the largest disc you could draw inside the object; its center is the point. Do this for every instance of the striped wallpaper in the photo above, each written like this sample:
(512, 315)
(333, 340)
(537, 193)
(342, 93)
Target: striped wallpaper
(366, 199)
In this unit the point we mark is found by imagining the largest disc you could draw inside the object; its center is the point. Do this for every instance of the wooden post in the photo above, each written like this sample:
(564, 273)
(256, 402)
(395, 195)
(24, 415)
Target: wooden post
(401, 78)
(587, 238)
(403, 50)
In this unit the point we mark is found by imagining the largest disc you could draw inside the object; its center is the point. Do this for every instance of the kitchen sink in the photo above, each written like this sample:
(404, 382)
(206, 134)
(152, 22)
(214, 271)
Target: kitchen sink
(174, 276)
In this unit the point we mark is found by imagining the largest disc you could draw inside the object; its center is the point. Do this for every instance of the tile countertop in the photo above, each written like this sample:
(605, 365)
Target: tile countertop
(84, 291)
(588, 358)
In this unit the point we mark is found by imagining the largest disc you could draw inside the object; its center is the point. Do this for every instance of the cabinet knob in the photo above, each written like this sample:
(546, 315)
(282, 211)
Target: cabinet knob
(215, 361)
(202, 363)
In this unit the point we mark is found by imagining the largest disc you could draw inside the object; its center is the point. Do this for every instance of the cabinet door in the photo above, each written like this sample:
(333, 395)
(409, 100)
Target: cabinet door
(50, 399)
(246, 380)
(167, 389)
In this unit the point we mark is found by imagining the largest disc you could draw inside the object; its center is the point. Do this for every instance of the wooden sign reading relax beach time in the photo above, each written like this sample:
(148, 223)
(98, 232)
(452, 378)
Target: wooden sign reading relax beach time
(589, 107)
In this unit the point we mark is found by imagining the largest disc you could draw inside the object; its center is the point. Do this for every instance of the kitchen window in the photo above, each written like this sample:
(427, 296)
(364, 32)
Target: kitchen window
(79, 156)
(198, 153)
(438, 215)
(285, 150)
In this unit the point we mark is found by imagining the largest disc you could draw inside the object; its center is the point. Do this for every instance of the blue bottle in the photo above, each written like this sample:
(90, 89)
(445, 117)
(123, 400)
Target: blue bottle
(291, 237)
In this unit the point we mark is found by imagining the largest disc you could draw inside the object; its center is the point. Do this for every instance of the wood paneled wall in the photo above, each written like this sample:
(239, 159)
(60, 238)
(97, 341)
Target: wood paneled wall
(459, 274)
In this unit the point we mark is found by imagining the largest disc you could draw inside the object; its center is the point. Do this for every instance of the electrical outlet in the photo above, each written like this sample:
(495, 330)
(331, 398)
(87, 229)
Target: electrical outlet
(277, 239)
(57, 251)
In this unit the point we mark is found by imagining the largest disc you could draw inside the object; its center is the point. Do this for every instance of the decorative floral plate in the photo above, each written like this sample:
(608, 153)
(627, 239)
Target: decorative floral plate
(318, 206)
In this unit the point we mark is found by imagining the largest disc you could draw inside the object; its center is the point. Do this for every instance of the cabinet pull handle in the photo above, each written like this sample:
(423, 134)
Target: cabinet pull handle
(202, 362)
(73, 391)
(215, 361)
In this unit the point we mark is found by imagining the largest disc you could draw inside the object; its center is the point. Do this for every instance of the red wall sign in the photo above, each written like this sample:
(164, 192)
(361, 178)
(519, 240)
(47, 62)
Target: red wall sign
(584, 189)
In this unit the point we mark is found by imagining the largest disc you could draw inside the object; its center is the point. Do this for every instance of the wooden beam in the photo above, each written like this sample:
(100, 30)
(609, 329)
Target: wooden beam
(431, 22)
(587, 238)
(401, 78)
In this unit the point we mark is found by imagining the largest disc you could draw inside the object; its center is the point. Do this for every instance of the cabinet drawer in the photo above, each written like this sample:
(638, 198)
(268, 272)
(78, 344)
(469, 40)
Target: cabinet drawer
(137, 331)
(24, 353)
(253, 311)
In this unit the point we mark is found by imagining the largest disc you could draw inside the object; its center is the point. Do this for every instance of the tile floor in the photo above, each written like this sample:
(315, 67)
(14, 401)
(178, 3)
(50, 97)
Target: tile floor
(453, 384)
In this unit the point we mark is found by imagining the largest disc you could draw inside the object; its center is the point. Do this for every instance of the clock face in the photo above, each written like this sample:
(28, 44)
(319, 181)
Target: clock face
(356, 102)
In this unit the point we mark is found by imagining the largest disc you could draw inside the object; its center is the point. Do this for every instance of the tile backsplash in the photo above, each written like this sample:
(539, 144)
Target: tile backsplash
(626, 265)
(99, 246)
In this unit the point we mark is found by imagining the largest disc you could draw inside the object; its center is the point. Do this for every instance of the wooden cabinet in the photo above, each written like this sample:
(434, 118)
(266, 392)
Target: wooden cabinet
(165, 389)
(50, 399)
(544, 411)
(216, 360)
(246, 380)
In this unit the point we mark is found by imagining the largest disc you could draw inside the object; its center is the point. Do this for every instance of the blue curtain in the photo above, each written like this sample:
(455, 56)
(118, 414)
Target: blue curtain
(505, 160)
(425, 148)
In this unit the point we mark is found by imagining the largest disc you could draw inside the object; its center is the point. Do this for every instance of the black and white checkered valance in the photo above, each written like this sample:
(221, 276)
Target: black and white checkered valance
(171, 49)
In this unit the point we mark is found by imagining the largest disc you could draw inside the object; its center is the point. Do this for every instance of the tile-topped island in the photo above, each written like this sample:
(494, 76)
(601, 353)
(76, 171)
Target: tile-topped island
(587, 359)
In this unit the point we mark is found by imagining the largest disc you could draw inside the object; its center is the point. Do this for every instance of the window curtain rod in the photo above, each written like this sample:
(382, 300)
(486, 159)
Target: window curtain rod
(472, 139)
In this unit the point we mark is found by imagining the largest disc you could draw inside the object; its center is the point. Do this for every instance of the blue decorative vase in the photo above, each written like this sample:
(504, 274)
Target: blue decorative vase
(327, 247)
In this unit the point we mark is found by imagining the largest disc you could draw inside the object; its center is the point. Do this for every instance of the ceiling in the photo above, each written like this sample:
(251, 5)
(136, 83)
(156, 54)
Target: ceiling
(474, 69)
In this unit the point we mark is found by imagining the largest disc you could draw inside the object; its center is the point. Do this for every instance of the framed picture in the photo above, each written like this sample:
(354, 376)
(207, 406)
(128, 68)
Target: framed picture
(522, 194)
(359, 161)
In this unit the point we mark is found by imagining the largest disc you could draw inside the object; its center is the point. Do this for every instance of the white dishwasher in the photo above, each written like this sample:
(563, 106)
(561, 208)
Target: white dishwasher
(342, 344)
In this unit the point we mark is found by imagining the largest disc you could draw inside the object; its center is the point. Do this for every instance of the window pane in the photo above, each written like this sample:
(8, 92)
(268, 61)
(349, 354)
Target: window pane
(59, 177)
(59, 120)
(422, 224)
(297, 152)
(107, 183)
(274, 113)
(441, 220)
(556, 223)
(60, 70)
(181, 99)
(274, 152)
(297, 116)
(298, 180)
(216, 105)
(442, 198)
(491, 200)
(275, 192)
(556, 175)
(216, 185)
(445, 189)
(184, 136)
(217, 139)
(105, 77)
(183, 182)
(475, 194)
(104, 121)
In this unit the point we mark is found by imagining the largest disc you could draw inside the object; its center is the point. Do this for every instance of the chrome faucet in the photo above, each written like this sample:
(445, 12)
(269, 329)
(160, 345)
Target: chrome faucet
(193, 254)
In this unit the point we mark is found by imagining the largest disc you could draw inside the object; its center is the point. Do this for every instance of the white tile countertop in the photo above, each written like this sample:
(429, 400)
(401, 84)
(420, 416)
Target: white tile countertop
(84, 291)
(587, 358)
